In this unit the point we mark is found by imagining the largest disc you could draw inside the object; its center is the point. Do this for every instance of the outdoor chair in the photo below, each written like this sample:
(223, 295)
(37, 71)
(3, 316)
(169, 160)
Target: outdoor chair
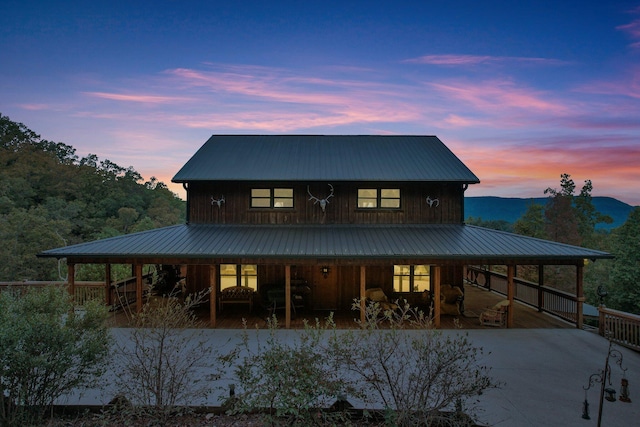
(496, 315)
(378, 295)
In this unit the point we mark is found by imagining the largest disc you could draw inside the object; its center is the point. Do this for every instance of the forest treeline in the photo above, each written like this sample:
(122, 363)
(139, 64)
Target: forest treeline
(50, 197)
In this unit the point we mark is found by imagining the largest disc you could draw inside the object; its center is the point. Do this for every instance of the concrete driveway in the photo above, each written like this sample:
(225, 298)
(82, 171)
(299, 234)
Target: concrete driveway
(543, 372)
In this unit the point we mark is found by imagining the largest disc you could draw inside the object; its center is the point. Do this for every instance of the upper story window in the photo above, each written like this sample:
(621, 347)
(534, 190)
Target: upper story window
(382, 198)
(411, 278)
(277, 198)
(238, 275)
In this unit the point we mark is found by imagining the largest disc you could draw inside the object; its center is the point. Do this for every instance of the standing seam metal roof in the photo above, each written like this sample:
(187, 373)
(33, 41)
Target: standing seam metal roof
(324, 157)
(437, 241)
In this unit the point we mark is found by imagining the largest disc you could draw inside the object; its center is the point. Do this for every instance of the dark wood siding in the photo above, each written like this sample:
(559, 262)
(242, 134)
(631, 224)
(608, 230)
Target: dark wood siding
(341, 209)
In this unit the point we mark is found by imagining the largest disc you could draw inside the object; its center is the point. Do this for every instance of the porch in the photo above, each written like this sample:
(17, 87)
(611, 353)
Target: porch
(477, 299)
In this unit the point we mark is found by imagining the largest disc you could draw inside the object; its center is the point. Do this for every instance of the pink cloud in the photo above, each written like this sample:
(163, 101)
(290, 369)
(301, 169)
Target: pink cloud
(457, 60)
(148, 99)
(498, 95)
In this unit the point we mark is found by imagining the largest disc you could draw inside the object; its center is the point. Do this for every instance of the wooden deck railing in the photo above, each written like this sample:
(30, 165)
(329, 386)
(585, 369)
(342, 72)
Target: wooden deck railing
(620, 327)
(84, 290)
(121, 292)
(553, 301)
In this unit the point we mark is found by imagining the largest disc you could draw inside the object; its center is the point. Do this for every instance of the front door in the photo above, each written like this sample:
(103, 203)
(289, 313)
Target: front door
(325, 289)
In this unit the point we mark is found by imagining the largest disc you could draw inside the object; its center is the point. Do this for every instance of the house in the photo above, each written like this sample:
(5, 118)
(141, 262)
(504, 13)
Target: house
(333, 215)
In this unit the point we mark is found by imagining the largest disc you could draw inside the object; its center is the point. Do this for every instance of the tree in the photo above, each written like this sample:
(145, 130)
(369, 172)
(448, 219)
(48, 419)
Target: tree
(46, 350)
(532, 222)
(625, 291)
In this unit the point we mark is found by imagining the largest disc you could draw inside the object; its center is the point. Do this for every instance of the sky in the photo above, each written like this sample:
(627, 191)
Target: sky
(521, 91)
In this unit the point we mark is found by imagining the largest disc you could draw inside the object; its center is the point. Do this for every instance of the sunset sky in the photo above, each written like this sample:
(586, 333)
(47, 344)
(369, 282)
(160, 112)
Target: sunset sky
(521, 91)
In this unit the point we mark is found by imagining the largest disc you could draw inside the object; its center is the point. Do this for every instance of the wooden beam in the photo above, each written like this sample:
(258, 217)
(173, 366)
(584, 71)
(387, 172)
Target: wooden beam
(580, 295)
(436, 295)
(107, 284)
(511, 292)
(213, 294)
(71, 280)
(540, 286)
(138, 270)
(363, 292)
(287, 296)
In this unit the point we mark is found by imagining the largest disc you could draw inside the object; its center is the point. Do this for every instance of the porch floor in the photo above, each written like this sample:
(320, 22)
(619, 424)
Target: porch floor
(476, 300)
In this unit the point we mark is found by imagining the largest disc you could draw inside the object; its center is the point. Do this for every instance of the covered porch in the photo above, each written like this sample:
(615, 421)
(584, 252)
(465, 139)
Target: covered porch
(341, 261)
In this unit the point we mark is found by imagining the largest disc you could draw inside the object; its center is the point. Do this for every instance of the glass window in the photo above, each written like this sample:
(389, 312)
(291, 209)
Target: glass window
(283, 197)
(238, 275)
(385, 198)
(411, 278)
(367, 198)
(260, 197)
(390, 198)
(277, 198)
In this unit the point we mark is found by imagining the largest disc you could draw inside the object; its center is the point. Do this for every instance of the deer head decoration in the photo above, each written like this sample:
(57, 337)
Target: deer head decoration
(323, 202)
(433, 202)
(218, 202)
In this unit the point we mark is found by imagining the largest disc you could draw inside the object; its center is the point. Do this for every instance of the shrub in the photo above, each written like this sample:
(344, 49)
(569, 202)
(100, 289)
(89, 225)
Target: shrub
(289, 376)
(163, 359)
(46, 350)
(409, 368)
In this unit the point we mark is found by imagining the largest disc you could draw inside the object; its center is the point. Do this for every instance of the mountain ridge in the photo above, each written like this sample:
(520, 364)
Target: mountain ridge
(510, 209)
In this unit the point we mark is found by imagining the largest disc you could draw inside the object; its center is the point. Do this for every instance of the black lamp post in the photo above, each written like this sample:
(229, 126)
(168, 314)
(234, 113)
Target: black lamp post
(606, 391)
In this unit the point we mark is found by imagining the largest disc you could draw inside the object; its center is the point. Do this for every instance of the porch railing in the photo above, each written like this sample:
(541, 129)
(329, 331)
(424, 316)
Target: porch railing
(620, 327)
(84, 290)
(545, 299)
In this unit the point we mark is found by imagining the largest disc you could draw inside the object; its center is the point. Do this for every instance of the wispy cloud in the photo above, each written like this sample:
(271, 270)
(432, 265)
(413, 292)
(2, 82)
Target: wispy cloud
(146, 99)
(632, 29)
(464, 60)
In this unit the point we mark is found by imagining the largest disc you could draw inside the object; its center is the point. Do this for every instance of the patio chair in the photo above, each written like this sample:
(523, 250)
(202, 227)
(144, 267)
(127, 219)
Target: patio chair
(496, 315)
(378, 295)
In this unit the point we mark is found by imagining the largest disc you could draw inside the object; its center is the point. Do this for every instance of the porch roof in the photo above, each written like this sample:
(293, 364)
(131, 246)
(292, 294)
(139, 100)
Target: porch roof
(376, 158)
(419, 242)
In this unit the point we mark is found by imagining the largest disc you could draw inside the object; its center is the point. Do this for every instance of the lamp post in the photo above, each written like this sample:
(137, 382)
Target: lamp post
(606, 391)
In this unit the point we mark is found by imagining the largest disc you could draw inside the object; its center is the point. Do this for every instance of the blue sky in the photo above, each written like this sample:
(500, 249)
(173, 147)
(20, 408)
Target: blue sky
(521, 91)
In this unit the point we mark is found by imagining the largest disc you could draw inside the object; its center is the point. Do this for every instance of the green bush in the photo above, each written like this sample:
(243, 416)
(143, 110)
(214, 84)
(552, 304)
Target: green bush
(288, 377)
(47, 350)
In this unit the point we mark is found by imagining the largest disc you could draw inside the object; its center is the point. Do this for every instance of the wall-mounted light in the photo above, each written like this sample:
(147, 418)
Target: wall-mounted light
(325, 270)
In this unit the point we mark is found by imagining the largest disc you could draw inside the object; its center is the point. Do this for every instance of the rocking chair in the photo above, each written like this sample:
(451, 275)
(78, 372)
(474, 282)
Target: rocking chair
(496, 315)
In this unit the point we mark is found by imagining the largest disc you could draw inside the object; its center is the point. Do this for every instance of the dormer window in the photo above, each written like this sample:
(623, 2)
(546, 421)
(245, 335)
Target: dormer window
(276, 198)
(379, 198)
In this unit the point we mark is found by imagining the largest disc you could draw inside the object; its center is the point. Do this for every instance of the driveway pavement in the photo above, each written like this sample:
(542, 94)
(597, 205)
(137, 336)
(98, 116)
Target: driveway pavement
(543, 372)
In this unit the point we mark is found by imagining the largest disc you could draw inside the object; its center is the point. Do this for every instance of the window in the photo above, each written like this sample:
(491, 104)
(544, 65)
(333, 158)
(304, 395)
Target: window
(238, 275)
(384, 198)
(277, 198)
(411, 278)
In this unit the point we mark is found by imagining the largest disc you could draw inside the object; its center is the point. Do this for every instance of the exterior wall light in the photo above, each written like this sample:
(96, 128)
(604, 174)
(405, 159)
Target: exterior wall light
(325, 270)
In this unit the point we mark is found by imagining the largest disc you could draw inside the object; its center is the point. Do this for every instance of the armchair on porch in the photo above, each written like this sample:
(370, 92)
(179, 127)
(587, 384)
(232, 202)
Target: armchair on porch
(378, 295)
(451, 300)
(496, 315)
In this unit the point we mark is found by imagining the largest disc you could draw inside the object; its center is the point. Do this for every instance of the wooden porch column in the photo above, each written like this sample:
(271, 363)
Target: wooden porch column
(213, 295)
(363, 292)
(138, 269)
(287, 296)
(107, 285)
(436, 296)
(579, 294)
(511, 291)
(540, 286)
(71, 280)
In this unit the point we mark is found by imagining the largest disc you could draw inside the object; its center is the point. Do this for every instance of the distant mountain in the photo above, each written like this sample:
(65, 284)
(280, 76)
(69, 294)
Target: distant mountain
(510, 209)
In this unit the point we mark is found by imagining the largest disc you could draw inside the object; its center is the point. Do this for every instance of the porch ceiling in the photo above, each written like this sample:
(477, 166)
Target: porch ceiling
(420, 242)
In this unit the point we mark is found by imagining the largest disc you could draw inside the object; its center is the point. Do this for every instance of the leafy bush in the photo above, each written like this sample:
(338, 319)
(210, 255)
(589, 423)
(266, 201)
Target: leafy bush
(415, 372)
(288, 376)
(46, 350)
(163, 359)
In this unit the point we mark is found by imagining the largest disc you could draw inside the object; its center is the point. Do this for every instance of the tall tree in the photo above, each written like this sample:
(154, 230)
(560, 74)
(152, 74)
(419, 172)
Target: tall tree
(625, 288)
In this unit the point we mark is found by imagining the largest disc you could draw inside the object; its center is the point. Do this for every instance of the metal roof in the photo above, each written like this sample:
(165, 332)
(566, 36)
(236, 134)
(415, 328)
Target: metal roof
(324, 157)
(432, 241)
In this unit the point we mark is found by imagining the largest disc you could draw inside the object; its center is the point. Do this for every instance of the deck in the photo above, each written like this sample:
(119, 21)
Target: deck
(476, 300)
